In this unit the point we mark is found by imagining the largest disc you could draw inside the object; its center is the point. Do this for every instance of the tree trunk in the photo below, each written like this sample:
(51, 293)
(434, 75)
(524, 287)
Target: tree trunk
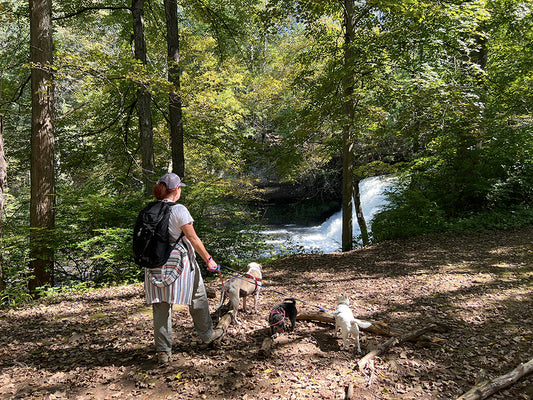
(175, 109)
(347, 142)
(3, 181)
(359, 212)
(143, 102)
(42, 218)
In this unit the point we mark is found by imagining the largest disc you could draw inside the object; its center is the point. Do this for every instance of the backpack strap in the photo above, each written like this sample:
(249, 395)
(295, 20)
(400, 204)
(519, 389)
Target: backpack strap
(182, 234)
(171, 203)
(176, 243)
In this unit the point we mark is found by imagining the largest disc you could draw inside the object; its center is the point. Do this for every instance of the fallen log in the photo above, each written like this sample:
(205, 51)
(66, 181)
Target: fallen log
(324, 317)
(266, 347)
(225, 321)
(223, 324)
(377, 327)
(487, 388)
(394, 341)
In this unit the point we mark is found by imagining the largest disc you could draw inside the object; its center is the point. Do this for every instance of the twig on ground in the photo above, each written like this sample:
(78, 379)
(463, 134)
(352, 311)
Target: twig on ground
(392, 342)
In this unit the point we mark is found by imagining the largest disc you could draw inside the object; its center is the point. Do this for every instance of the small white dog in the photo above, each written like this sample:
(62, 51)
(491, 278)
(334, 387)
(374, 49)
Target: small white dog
(237, 288)
(345, 320)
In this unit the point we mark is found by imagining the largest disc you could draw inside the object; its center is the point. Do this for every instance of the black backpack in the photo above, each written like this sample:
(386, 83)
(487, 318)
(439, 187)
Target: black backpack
(151, 241)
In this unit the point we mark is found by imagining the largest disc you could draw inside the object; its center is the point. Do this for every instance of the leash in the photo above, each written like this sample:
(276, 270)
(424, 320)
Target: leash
(244, 275)
(222, 281)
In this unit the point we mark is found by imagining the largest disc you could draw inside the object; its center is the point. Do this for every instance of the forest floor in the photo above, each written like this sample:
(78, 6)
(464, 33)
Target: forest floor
(98, 345)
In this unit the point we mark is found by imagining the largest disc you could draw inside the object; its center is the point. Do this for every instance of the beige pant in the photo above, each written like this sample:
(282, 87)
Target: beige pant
(199, 310)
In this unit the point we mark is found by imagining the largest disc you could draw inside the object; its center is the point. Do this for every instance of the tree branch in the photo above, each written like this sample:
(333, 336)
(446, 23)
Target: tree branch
(85, 9)
(487, 388)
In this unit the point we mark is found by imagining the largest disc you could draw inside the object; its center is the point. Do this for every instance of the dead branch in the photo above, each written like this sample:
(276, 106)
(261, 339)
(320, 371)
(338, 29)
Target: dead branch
(316, 317)
(392, 342)
(223, 324)
(487, 388)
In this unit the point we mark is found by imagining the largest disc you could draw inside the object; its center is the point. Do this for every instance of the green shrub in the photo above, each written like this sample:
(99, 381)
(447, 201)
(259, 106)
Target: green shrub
(409, 213)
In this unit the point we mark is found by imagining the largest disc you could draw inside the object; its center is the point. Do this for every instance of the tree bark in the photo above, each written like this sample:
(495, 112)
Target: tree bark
(3, 182)
(347, 139)
(175, 106)
(225, 321)
(42, 217)
(487, 388)
(359, 213)
(143, 102)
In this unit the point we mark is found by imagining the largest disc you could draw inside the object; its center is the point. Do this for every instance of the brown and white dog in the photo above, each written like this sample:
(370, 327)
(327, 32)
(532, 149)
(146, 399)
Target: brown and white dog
(242, 287)
(345, 320)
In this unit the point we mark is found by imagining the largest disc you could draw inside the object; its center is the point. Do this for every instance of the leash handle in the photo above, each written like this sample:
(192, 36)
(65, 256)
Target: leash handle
(214, 269)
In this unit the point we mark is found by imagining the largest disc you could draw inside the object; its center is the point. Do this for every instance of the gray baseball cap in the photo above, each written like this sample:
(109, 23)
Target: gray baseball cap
(171, 180)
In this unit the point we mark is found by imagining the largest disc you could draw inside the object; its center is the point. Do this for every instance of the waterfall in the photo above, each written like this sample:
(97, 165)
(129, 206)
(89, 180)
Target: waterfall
(327, 237)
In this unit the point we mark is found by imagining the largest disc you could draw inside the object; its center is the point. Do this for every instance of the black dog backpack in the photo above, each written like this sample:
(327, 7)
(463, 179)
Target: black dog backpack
(151, 241)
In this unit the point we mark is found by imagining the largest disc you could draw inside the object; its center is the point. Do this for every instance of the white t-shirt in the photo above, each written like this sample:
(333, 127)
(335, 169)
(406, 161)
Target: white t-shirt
(179, 216)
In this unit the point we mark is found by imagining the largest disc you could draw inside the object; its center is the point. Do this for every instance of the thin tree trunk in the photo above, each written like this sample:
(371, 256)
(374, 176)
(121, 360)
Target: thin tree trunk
(347, 142)
(175, 109)
(143, 102)
(42, 217)
(3, 182)
(359, 213)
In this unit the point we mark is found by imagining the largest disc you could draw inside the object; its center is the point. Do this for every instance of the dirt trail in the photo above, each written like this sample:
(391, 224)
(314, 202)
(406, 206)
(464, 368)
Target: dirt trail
(99, 345)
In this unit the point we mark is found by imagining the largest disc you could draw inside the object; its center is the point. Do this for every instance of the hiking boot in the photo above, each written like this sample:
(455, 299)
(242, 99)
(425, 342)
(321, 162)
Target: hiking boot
(163, 357)
(217, 334)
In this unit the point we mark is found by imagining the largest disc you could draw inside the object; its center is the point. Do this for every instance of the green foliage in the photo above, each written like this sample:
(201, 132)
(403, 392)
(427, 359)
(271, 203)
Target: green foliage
(15, 295)
(442, 93)
(57, 293)
(404, 222)
(420, 203)
(94, 237)
(409, 213)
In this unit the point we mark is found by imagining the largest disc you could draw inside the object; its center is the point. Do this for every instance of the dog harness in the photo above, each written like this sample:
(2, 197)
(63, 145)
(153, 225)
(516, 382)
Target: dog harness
(278, 311)
(255, 281)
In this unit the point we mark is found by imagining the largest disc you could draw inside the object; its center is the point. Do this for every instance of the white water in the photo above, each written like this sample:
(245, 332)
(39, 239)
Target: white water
(327, 236)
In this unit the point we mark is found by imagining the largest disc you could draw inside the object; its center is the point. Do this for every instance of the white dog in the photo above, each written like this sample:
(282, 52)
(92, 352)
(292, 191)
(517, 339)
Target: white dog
(345, 320)
(242, 287)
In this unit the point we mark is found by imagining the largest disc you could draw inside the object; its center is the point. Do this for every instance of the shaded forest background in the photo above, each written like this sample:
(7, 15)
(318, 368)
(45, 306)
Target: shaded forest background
(256, 104)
